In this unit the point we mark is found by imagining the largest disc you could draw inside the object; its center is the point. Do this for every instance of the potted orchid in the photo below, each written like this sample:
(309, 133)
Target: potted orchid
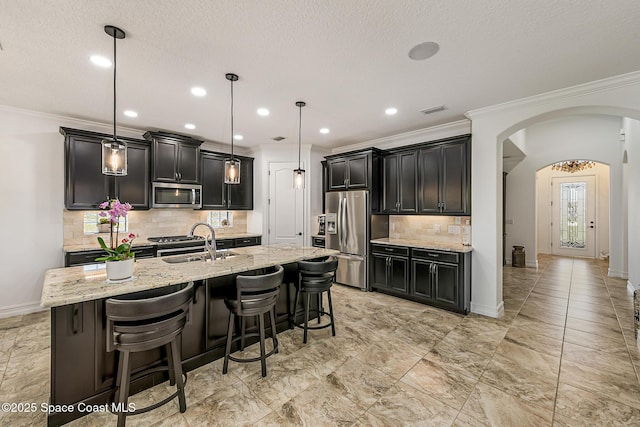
(119, 258)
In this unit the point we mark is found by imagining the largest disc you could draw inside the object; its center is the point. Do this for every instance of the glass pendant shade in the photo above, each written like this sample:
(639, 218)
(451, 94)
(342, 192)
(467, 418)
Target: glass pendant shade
(114, 158)
(298, 178)
(232, 171)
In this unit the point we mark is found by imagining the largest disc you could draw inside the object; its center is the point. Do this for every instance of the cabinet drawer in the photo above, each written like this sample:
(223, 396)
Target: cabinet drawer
(89, 257)
(317, 242)
(426, 254)
(224, 244)
(247, 241)
(390, 250)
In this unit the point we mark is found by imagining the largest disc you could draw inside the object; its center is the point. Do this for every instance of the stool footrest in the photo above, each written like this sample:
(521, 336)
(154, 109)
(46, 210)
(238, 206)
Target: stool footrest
(322, 313)
(253, 359)
(155, 405)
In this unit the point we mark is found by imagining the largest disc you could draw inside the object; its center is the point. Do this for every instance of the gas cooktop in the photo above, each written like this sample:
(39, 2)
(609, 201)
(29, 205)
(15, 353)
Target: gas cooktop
(175, 239)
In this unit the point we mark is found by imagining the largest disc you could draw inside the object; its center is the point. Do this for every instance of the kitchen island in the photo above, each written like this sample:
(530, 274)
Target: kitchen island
(81, 368)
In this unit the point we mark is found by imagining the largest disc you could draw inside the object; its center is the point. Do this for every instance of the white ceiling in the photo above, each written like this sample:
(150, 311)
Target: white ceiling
(346, 58)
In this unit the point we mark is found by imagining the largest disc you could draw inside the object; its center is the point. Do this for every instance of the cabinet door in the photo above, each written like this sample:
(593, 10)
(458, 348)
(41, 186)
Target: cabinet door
(421, 279)
(86, 186)
(446, 284)
(398, 278)
(337, 174)
(390, 184)
(380, 265)
(165, 160)
(134, 187)
(454, 178)
(407, 200)
(213, 186)
(240, 196)
(188, 164)
(429, 180)
(358, 172)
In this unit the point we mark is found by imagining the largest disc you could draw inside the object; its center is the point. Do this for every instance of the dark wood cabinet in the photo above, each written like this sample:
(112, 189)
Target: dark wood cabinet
(357, 170)
(85, 185)
(444, 173)
(438, 278)
(175, 158)
(390, 268)
(399, 179)
(216, 195)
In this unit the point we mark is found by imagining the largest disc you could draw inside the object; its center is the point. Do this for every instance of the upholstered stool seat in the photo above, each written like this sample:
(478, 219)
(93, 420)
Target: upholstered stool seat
(256, 296)
(137, 324)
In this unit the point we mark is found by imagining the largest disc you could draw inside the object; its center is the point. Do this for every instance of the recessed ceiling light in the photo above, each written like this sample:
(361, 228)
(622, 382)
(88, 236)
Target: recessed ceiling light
(190, 126)
(424, 51)
(390, 111)
(238, 137)
(100, 61)
(198, 91)
(324, 131)
(263, 112)
(130, 113)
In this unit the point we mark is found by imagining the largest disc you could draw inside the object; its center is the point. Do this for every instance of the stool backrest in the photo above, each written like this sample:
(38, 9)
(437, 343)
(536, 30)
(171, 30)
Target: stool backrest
(258, 291)
(146, 322)
(318, 267)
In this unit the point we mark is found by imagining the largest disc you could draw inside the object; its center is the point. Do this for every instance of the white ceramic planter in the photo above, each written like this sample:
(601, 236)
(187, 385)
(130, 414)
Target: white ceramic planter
(119, 270)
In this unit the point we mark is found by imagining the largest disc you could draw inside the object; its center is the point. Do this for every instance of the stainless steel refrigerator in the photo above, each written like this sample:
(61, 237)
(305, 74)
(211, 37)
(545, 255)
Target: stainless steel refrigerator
(348, 228)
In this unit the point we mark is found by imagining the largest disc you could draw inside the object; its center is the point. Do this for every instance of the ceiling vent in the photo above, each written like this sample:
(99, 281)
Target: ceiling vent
(278, 138)
(432, 110)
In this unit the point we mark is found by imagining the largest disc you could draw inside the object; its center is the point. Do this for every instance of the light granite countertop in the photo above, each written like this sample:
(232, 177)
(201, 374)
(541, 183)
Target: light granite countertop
(144, 242)
(70, 285)
(424, 244)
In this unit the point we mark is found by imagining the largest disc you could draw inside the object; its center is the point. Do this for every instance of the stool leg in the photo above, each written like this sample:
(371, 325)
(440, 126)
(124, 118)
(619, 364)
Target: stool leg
(333, 323)
(295, 306)
(272, 314)
(123, 395)
(263, 361)
(242, 328)
(177, 371)
(319, 306)
(227, 349)
(172, 374)
(306, 316)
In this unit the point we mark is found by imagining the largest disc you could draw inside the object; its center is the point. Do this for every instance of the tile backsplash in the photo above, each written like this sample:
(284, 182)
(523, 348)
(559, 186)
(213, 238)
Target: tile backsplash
(154, 222)
(437, 229)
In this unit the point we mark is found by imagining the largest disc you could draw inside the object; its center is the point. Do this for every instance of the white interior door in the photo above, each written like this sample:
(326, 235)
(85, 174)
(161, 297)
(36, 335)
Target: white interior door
(285, 205)
(574, 216)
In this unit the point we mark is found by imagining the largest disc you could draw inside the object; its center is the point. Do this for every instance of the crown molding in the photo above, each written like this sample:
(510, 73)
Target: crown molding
(459, 127)
(583, 89)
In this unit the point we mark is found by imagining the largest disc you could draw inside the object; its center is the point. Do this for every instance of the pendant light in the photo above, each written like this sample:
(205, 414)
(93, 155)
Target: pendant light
(298, 174)
(114, 152)
(232, 165)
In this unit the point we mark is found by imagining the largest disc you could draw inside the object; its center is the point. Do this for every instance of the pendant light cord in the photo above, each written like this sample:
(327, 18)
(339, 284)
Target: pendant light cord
(299, 135)
(232, 120)
(115, 66)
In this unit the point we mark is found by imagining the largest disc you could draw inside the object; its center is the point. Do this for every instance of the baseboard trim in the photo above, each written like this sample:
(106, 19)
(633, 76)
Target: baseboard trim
(495, 312)
(528, 263)
(18, 309)
(618, 274)
(630, 286)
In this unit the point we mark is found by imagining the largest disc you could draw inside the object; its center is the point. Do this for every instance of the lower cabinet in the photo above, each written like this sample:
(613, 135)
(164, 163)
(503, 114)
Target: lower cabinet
(438, 278)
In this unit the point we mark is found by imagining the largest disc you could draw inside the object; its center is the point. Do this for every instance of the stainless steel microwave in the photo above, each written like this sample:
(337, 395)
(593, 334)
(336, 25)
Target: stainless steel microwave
(169, 195)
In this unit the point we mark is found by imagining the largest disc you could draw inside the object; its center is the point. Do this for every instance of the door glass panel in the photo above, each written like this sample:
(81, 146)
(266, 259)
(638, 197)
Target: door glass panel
(572, 215)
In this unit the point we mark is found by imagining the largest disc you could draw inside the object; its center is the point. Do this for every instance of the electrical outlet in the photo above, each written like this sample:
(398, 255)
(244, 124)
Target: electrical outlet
(456, 220)
(436, 228)
(454, 229)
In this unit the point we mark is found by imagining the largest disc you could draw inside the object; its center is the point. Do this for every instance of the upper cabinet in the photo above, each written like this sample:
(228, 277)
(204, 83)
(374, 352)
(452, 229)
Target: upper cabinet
(357, 170)
(444, 177)
(399, 178)
(85, 185)
(216, 195)
(176, 158)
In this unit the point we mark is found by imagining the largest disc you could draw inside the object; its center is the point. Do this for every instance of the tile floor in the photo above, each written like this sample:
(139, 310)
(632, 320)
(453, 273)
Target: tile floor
(563, 354)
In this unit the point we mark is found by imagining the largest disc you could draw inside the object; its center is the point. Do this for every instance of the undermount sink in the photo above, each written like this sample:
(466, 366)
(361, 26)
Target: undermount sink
(199, 256)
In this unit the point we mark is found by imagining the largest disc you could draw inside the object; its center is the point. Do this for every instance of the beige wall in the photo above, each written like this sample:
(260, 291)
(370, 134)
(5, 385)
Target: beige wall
(154, 222)
(424, 227)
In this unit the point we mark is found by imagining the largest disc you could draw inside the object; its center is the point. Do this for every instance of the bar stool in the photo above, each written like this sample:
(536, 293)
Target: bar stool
(135, 325)
(255, 296)
(315, 278)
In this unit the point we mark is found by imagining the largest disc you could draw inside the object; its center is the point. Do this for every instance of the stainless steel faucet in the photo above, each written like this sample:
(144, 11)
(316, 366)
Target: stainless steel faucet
(211, 247)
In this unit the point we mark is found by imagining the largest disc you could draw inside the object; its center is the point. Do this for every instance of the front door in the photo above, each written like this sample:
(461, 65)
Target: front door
(285, 205)
(573, 220)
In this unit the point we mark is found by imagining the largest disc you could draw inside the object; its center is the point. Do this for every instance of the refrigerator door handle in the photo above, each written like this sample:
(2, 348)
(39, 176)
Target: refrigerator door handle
(339, 223)
(345, 206)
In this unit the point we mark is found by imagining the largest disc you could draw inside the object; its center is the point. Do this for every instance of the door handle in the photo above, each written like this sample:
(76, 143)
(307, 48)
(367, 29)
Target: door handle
(299, 234)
